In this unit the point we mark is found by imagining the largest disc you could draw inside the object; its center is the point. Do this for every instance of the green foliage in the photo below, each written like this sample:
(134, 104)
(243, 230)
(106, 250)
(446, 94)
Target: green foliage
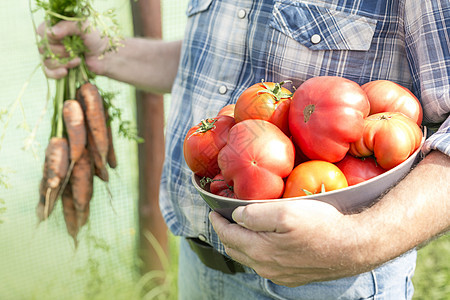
(160, 284)
(3, 185)
(126, 128)
(95, 247)
(432, 276)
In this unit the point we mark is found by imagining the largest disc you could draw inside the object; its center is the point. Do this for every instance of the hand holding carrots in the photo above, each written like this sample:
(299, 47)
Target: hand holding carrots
(95, 44)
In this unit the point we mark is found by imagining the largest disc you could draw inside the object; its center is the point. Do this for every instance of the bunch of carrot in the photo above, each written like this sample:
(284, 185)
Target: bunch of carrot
(80, 145)
(72, 159)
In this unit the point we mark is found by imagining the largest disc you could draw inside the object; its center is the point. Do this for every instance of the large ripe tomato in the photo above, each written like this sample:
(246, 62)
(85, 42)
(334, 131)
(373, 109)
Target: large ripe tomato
(265, 101)
(390, 136)
(313, 177)
(256, 158)
(203, 143)
(357, 170)
(326, 115)
(386, 96)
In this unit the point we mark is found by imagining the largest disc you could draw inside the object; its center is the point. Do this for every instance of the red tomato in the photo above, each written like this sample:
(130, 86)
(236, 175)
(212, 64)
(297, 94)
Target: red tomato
(313, 177)
(391, 137)
(227, 110)
(386, 96)
(219, 187)
(326, 115)
(357, 170)
(203, 143)
(265, 101)
(257, 157)
(300, 157)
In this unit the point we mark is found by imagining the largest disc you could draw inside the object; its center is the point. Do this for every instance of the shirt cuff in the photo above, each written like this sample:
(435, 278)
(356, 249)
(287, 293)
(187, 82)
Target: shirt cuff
(440, 140)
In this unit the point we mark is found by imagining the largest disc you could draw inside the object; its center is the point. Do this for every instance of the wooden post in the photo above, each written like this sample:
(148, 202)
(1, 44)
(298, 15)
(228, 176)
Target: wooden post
(150, 119)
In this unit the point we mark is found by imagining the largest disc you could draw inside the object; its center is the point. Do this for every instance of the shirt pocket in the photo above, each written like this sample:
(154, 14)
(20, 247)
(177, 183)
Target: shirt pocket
(321, 28)
(197, 6)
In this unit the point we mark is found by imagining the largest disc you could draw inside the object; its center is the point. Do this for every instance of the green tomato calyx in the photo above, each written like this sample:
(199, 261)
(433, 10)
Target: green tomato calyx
(277, 92)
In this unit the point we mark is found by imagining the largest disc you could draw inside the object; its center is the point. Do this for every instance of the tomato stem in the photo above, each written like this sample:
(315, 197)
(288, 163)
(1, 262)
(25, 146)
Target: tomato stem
(205, 180)
(308, 193)
(308, 111)
(277, 92)
(384, 117)
(206, 124)
(322, 188)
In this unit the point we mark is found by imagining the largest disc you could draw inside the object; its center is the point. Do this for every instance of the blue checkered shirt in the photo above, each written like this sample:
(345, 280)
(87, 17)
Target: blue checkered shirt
(232, 44)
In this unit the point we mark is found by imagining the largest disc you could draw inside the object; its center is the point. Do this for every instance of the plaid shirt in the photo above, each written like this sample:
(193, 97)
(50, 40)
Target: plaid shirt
(230, 45)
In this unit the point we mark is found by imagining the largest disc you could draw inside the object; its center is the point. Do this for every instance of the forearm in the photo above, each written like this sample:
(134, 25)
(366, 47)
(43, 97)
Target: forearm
(413, 212)
(150, 65)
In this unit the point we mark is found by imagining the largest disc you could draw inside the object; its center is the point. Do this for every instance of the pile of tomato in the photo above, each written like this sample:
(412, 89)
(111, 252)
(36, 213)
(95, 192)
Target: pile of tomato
(329, 134)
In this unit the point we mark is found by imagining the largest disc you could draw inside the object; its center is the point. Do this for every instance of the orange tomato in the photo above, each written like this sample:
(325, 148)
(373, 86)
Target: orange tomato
(390, 136)
(267, 101)
(385, 95)
(313, 177)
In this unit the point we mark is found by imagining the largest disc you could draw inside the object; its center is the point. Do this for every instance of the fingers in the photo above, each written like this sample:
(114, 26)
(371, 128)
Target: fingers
(53, 64)
(54, 36)
(60, 30)
(55, 73)
(57, 70)
(269, 217)
(229, 233)
(232, 237)
(58, 49)
(282, 216)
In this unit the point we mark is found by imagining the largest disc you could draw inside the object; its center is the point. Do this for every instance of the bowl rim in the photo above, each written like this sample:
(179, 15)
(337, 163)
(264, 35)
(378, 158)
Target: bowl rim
(418, 151)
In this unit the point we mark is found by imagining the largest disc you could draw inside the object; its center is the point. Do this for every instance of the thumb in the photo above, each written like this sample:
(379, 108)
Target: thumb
(261, 216)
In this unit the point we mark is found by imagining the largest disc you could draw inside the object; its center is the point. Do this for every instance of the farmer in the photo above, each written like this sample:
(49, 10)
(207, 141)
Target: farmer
(318, 253)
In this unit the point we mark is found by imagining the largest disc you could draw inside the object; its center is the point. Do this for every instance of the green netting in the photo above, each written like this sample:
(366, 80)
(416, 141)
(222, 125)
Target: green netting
(40, 262)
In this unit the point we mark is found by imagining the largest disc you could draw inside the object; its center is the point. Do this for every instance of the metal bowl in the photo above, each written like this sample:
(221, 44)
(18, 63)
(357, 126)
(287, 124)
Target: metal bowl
(348, 200)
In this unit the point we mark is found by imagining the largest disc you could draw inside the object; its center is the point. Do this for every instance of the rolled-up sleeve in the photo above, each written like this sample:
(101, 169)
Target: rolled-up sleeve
(427, 36)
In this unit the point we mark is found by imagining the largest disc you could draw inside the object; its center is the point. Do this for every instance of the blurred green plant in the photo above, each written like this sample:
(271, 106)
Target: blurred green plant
(432, 276)
(158, 284)
(3, 185)
(6, 116)
(95, 247)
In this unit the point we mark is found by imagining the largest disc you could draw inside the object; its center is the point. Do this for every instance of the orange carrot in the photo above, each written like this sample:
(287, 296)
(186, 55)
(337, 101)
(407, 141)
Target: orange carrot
(55, 170)
(111, 157)
(47, 197)
(99, 166)
(75, 127)
(82, 217)
(57, 160)
(95, 117)
(70, 213)
(81, 181)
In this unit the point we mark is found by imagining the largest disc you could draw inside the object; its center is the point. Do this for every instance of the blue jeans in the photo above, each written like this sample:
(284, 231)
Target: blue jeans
(196, 282)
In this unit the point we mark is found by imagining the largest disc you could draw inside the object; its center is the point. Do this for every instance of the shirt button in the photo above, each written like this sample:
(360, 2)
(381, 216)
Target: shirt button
(201, 237)
(223, 89)
(315, 38)
(242, 13)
